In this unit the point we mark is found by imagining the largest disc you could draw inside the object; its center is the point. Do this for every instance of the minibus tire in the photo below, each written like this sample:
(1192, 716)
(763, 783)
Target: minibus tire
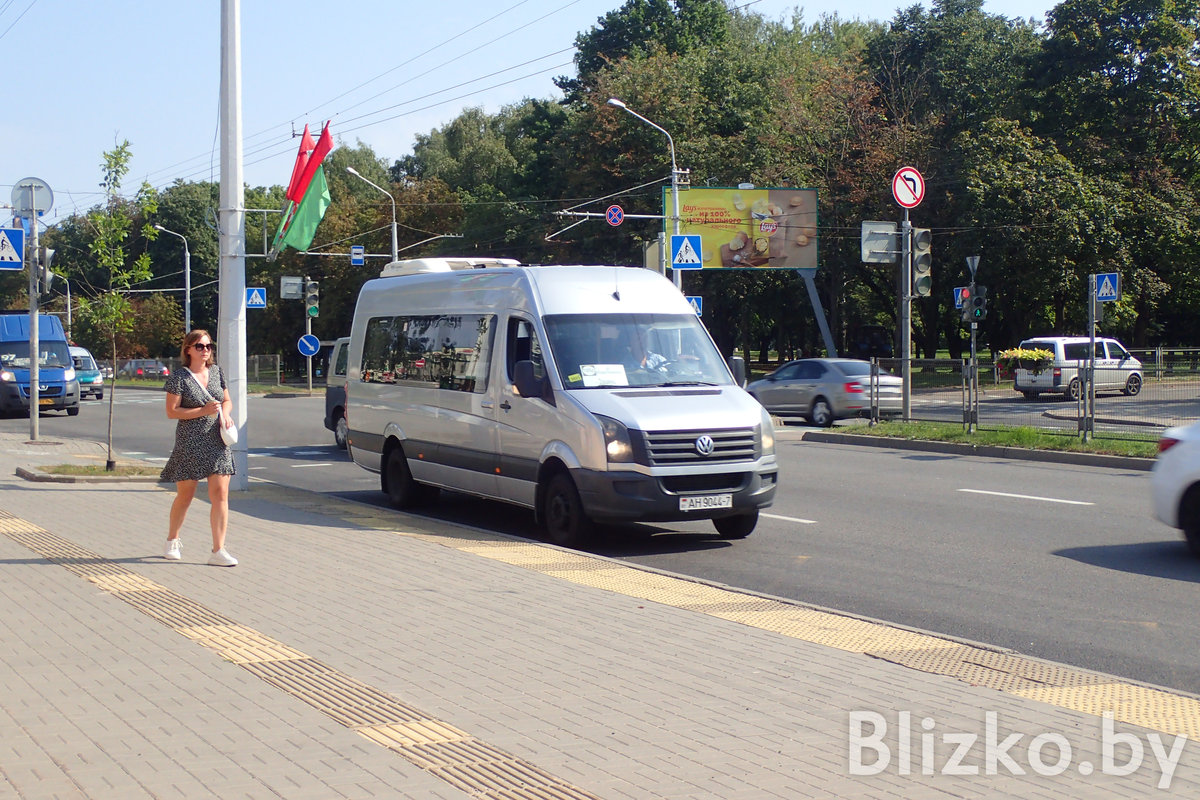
(738, 526)
(398, 483)
(73, 411)
(563, 517)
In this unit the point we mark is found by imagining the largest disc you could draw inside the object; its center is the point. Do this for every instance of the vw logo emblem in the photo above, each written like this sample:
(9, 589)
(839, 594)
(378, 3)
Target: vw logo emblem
(704, 445)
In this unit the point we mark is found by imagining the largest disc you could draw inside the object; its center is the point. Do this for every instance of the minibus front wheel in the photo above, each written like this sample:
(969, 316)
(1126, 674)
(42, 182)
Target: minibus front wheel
(563, 518)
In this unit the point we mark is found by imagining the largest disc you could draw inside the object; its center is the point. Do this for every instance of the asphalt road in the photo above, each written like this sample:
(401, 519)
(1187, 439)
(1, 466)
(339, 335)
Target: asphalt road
(1054, 561)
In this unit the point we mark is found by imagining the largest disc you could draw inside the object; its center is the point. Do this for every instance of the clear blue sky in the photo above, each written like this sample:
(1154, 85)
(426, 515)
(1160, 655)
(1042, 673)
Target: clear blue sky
(83, 75)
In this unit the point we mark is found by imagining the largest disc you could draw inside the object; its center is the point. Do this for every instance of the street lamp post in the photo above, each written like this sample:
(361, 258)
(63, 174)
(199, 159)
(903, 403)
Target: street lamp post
(395, 241)
(612, 101)
(187, 279)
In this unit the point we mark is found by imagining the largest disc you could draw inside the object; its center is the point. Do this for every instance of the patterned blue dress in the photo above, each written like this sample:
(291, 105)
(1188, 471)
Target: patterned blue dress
(199, 450)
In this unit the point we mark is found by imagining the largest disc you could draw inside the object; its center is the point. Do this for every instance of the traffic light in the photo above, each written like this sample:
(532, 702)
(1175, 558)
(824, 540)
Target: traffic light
(922, 262)
(45, 277)
(965, 302)
(979, 304)
(312, 298)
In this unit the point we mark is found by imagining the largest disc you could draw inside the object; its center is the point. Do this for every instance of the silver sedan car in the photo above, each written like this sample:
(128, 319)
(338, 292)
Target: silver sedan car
(826, 389)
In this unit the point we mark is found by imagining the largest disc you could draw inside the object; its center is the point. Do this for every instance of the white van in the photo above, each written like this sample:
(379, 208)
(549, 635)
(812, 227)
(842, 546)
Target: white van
(1116, 369)
(335, 391)
(585, 393)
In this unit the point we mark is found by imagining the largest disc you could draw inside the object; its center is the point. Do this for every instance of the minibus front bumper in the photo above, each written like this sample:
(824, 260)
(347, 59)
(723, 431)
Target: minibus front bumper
(636, 497)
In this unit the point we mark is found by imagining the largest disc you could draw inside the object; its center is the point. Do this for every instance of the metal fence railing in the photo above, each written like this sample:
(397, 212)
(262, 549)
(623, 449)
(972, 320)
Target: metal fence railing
(1169, 395)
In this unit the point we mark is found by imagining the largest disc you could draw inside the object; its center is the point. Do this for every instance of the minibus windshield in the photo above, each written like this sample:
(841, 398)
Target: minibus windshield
(594, 351)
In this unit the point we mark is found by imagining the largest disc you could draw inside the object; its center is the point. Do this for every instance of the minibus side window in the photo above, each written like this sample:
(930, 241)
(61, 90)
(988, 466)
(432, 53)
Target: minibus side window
(523, 345)
(450, 351)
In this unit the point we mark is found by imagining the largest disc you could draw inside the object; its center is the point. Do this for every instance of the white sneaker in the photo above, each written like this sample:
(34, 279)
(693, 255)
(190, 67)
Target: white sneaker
(221, 558)
(174, 550)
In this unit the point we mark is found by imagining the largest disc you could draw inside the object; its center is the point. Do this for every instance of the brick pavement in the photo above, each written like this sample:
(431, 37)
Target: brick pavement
(428, 670)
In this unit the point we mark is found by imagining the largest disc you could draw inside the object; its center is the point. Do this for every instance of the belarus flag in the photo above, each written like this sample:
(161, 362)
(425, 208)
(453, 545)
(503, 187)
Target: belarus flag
(307, 194)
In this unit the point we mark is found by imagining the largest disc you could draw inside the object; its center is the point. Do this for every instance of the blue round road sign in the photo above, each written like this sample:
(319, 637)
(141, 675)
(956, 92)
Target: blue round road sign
(308, 345)
(615, 215)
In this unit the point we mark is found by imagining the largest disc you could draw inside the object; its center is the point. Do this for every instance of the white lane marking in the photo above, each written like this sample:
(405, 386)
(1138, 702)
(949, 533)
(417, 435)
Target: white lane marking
(1030, 497)
(791, 519)
(308, 453)
(322, 464)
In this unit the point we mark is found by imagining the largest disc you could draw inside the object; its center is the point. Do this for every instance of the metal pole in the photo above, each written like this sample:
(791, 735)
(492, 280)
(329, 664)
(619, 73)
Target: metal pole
(187, 278)
(612, 101)
(906, 317)
(187, 288)
(34, 344)
(677, 274)
(308, 332)
(1089, 400)
(231, 325)
(68, 283)
(395, 237)
(973, 385)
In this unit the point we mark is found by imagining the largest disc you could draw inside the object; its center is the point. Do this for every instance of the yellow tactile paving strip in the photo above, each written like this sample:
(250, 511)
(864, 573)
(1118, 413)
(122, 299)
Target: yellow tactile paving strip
(457, 757)
(1022, 676)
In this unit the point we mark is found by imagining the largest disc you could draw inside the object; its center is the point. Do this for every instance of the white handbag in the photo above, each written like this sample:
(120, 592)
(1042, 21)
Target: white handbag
(229, 434)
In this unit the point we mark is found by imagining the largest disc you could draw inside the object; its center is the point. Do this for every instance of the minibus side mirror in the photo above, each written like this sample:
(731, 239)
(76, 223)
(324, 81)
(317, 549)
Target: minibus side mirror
(737, 365)
(529, 385)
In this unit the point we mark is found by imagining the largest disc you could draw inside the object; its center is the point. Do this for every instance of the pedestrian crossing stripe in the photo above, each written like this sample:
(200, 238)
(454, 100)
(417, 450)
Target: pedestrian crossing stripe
(8, 251)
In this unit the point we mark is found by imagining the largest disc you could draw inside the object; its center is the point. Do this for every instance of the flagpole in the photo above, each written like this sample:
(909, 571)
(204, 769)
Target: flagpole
(231, 323)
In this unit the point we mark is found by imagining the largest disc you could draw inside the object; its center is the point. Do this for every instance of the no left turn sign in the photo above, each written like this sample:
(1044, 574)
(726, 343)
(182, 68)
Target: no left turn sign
(908, 187)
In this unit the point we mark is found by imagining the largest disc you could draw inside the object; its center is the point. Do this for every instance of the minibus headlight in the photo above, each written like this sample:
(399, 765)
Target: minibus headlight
(69, 374)
(616, 440)
(768, 434)
(5, 375)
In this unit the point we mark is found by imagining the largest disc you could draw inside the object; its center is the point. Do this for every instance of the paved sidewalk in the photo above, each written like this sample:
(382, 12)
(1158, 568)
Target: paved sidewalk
(364, 653)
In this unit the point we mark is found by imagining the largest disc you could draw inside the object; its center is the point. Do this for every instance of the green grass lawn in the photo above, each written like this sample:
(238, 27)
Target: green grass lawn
(1022, 437)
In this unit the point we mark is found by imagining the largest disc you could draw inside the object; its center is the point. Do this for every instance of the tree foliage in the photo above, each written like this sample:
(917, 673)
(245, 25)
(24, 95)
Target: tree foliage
(1051, 151)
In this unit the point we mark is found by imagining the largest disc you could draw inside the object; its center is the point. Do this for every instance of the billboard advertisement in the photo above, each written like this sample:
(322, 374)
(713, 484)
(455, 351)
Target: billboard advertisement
(759, 228)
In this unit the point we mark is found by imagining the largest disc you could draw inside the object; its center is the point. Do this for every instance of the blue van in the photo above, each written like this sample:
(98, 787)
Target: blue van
(58, 388)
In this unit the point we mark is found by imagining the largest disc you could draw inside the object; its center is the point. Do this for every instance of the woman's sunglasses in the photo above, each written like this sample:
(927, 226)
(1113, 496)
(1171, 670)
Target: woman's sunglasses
(209, 346)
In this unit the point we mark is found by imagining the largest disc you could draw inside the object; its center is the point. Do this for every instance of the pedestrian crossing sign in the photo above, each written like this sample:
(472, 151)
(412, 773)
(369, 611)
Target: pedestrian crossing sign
(685, 252)
(256, 297)
(1108, 287)
(12, 248)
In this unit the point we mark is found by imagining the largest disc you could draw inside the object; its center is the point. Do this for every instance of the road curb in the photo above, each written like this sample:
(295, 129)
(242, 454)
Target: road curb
(46, 477)
(987, 451)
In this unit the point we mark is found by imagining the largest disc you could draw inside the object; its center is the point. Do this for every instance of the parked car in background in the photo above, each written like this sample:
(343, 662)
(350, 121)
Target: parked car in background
(87, 372)
(826, 389)
(1116, 369)
(335, 391)
(1175, 482)
(143, 368)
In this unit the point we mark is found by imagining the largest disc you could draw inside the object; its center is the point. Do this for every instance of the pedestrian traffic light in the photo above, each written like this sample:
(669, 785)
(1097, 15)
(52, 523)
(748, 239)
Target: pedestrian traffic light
(922, 262)
(979, 304)
(312, 298)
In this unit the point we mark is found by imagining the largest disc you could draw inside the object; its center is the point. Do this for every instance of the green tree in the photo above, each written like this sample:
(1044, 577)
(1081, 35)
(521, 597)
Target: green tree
(111, 311)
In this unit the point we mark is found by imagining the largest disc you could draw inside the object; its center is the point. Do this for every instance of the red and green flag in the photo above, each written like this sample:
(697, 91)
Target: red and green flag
(307, 194)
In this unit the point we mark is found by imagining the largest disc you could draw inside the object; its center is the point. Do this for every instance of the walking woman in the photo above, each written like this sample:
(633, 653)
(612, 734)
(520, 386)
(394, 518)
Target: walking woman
(199, 452)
